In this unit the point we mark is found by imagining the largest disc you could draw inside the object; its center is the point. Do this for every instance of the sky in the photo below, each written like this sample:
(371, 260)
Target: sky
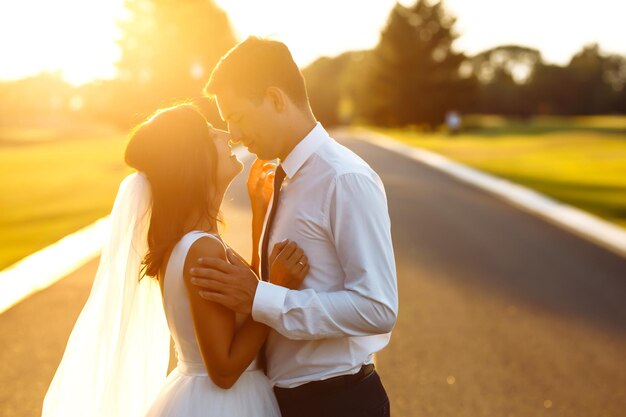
(78, 37)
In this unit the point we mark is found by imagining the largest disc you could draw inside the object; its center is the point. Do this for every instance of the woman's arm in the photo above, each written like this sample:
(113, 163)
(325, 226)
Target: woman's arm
(228, 351)
(260, 187)
(258, 217)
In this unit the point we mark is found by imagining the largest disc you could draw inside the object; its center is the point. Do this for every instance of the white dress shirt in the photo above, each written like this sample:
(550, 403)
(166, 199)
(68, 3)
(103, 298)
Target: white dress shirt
(333, 205)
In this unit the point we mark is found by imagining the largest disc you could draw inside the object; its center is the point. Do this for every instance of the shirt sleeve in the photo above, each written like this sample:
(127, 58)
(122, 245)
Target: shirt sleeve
(358, 222)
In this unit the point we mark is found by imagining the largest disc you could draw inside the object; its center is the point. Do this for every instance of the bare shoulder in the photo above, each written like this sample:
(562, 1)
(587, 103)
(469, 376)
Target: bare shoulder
(205, 247)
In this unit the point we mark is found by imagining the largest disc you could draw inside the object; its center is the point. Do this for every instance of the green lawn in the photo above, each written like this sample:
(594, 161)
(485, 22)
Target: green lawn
(580, 161)
(54, 182)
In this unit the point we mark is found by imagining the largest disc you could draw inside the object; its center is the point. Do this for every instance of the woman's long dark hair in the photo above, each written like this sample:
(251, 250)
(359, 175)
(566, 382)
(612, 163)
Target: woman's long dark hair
(174, 149)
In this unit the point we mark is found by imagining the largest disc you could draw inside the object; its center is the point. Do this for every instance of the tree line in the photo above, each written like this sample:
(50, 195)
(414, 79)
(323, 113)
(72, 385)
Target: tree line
(414, 76)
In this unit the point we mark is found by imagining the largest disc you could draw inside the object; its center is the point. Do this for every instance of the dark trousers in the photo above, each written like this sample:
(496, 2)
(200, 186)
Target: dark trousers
(364, 398)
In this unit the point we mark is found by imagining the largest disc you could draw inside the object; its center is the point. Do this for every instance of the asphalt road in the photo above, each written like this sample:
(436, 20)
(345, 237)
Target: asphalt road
(501, 313)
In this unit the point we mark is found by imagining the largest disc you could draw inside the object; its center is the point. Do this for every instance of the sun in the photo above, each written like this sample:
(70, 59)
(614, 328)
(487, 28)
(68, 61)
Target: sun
(74, 37)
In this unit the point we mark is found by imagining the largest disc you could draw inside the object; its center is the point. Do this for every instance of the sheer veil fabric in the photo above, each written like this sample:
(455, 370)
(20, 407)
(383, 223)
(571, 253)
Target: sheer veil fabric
(117, 356)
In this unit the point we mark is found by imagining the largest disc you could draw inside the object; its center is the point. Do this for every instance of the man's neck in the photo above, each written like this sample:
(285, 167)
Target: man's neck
(299, 131)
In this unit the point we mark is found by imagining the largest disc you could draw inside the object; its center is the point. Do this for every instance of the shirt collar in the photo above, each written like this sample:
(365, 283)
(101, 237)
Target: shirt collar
(303, 150)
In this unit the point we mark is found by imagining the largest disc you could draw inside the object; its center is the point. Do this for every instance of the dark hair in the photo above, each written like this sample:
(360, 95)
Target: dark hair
(173, 148)
(255, 64)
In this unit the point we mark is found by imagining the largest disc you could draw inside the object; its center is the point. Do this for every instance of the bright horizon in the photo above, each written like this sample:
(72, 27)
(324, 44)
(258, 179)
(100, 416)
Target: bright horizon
(85, 49)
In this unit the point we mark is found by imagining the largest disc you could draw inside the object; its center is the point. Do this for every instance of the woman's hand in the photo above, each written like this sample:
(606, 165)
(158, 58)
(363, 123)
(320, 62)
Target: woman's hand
(288, 265)
(260, 189)
(261, 184)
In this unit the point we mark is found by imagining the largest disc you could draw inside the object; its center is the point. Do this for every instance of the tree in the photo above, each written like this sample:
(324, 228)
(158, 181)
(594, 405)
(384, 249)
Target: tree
(589, 70)
(517, 61)
(169, 48)
(592, 83)
(414, 75)
(504, 73)
(552, 90)
(331, 83)
(38, 100)
(615, 76)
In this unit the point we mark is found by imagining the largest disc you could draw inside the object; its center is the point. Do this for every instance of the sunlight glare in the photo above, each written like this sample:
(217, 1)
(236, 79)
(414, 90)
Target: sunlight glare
(75, 37)
(311, 29)
(78, 37)
(558, 28)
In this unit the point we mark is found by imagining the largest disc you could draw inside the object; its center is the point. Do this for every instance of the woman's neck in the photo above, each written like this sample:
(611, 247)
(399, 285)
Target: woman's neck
(200, 221)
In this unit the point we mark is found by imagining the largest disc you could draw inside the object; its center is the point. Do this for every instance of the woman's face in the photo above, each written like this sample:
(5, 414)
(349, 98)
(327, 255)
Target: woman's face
(228, 166)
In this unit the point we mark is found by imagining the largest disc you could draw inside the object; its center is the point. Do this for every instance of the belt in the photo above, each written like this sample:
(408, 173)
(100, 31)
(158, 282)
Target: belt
(198, 368)
(191, 368)
(330, 384)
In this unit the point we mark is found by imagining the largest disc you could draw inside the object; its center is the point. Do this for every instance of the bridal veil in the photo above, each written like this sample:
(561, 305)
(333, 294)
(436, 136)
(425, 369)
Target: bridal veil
(117, 355)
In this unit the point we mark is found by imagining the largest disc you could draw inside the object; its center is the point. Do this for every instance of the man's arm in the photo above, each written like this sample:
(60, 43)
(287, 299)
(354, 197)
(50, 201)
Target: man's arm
(233, 284)
(358, 222)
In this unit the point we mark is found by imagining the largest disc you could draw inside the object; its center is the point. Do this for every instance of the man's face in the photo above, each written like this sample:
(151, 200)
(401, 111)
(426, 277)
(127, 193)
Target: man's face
(254, 125)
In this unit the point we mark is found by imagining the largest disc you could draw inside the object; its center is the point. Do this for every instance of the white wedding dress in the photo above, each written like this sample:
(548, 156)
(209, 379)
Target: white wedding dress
(188, 390)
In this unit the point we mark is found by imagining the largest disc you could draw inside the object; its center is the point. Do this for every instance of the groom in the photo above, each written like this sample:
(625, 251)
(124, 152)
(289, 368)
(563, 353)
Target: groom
(333, 205)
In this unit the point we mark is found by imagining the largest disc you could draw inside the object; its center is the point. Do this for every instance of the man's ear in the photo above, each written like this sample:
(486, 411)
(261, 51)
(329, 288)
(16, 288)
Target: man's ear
(277, 98)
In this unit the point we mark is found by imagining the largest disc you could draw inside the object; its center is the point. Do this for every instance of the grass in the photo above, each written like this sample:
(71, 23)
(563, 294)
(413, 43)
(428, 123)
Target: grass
(54, 182)
(580, 161)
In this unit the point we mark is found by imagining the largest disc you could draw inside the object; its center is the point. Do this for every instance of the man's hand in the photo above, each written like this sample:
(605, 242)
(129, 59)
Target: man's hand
(232, 284)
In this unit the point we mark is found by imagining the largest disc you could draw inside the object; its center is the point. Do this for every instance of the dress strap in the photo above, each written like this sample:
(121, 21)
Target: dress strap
(174, 270)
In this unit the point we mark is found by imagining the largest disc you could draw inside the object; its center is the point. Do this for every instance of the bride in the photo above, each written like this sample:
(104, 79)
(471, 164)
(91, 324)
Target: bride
(164, 218)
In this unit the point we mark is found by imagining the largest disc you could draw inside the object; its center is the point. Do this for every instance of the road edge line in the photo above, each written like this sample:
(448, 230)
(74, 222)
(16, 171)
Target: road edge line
(49, 265)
